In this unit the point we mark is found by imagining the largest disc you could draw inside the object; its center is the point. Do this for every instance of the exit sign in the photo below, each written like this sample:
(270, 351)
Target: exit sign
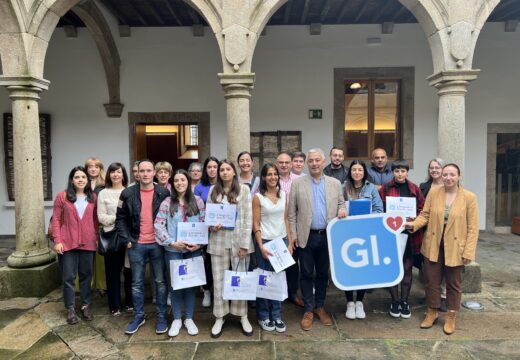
(315, 114)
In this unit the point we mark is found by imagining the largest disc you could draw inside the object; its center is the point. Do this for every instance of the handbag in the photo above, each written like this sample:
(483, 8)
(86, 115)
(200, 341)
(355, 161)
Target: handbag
(187, 273)
(239, 285)
(108, 242)
(271, 285)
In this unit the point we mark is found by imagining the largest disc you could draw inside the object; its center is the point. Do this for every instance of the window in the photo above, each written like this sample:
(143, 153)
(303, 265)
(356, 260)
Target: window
(265, 146)
(374, 107)
(45, 144)
(371, 117)
(194, 135)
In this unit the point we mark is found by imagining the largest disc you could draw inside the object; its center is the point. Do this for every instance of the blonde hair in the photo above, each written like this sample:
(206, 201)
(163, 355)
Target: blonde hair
(164, 165)
(100, 181)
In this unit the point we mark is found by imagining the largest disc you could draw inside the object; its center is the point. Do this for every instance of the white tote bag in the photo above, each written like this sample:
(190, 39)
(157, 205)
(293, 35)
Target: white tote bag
(187, 273)
(239, 285)
(271, 285)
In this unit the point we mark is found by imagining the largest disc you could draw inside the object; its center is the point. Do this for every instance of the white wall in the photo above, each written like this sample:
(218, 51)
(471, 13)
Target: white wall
(167, 69)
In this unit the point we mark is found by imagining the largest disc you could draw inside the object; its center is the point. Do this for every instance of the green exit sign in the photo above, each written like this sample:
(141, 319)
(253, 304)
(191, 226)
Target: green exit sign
(315, 114)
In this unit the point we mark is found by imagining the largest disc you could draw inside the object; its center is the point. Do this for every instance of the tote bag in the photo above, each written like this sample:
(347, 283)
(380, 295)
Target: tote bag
(187, 273)
(271, 285)
(239, 285)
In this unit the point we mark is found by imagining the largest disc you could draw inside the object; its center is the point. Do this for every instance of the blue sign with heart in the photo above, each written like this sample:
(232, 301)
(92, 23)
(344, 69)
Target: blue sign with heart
(366, 251)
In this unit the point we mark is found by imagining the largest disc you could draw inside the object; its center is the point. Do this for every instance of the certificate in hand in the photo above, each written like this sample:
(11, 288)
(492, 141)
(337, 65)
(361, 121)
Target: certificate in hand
(281, 258)
(192, 232)
(225, 214)
(407, 206)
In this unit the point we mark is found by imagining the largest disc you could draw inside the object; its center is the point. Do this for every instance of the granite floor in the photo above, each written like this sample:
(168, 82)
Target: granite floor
(36, 327)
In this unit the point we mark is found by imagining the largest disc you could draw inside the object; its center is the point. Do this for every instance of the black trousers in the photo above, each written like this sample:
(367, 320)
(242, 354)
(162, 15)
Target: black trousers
(113, 265)
(314, 257)
(293, 275)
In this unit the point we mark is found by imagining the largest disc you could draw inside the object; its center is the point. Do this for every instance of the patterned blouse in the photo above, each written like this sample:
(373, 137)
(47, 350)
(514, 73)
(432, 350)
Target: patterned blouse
(166, 224)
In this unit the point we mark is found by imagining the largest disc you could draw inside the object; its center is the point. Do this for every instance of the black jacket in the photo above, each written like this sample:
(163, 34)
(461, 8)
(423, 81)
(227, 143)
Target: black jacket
(339, 173)
(128, 216)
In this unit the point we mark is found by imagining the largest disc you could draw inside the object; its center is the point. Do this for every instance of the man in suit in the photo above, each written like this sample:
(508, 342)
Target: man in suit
(314, 201)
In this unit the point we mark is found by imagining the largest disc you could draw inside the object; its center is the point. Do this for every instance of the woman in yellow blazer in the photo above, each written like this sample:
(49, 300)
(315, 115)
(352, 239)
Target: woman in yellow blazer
(450, 242)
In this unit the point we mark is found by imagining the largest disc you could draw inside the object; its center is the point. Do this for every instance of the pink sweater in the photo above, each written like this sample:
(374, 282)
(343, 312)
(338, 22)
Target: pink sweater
(75, 233)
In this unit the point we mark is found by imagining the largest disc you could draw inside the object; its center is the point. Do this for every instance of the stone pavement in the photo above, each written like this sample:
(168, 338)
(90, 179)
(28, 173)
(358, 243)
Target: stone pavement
(36, 328)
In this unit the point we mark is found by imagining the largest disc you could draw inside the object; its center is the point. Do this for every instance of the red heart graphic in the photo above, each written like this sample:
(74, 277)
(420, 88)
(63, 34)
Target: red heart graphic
(394, 223)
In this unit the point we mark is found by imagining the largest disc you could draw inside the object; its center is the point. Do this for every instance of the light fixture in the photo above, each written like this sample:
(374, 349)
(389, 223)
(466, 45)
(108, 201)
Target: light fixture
(355, 86)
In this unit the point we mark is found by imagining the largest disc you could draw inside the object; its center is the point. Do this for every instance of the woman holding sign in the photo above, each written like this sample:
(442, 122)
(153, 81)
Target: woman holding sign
(181, 207)
(270, 221)
(230, 246)
(450, 242)
(397, 188)
(357, 187)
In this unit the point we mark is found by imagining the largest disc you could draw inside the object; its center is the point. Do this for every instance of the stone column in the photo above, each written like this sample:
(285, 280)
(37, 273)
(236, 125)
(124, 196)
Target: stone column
(237, 88)
(31, 243)
(452, 87)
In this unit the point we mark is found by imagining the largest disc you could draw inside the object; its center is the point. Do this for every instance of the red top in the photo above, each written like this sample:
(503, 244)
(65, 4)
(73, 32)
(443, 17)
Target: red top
(75, 233)
(146, 234)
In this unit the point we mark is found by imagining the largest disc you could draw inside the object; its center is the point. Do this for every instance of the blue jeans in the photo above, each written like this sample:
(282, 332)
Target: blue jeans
(267, 309)
(182, 296)
(138, 254)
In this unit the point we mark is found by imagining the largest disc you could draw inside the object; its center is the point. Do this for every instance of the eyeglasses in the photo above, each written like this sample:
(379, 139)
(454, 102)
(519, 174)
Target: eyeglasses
(435, 168)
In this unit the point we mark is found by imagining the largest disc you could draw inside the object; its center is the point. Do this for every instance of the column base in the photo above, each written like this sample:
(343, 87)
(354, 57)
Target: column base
(26, 259)
(32, 282)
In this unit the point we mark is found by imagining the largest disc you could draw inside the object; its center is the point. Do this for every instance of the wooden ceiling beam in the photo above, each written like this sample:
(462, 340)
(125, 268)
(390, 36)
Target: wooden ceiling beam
(381, 13)
(342, 12)
(155, 13)
(194, 16)
(287, 12)
(172, 12)
(361, 11)
(140, 17)
(325, 11)
(400, 12)
(503, 9)
(113, 10)
(305, 12)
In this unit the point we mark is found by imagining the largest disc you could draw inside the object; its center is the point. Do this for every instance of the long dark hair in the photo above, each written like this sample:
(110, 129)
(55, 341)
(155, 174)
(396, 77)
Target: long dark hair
(71, 190)
(218, 190)
(190, 203)
(263, 183)
(204, 180)
(350, 180)
(113, 167)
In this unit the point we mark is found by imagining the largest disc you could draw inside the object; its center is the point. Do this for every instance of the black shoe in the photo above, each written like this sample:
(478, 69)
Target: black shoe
(444, 305)
(86, 313)
(394, 309)
(405, 310)
(72, 318)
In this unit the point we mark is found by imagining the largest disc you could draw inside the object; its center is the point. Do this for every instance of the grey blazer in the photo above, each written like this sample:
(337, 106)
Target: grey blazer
(301, 206)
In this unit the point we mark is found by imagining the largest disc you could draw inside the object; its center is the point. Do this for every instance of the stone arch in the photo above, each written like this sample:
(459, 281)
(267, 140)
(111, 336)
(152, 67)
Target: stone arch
(98, 27)
(452, 29)
(236, 34)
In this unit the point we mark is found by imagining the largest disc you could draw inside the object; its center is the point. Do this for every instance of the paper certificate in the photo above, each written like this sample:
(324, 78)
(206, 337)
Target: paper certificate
(192, 232)
(225, 214)
(281, 258)
(406, 206)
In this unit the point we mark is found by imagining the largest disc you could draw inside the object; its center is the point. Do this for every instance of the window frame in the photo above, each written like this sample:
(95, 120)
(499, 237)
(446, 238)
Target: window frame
(405, 127)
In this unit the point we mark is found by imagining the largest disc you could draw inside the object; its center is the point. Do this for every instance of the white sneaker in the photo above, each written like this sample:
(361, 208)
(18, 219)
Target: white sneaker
(191, 327)
(175, 328)
(206, 301)
(216, 330)
(266, 325)
(351, 310)
(360, 312)
(247, 329)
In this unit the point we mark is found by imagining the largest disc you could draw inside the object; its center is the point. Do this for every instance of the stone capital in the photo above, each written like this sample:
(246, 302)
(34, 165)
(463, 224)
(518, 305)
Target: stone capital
(24, 87)
(452, 82)
(114, 109)
(237, 85)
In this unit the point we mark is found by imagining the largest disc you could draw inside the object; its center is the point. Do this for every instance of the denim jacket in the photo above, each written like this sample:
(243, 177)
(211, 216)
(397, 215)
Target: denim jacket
(166, 224)
(368, 191)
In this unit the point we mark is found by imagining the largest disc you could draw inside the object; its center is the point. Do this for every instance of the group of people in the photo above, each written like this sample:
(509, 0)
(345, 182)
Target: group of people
(281, 202)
